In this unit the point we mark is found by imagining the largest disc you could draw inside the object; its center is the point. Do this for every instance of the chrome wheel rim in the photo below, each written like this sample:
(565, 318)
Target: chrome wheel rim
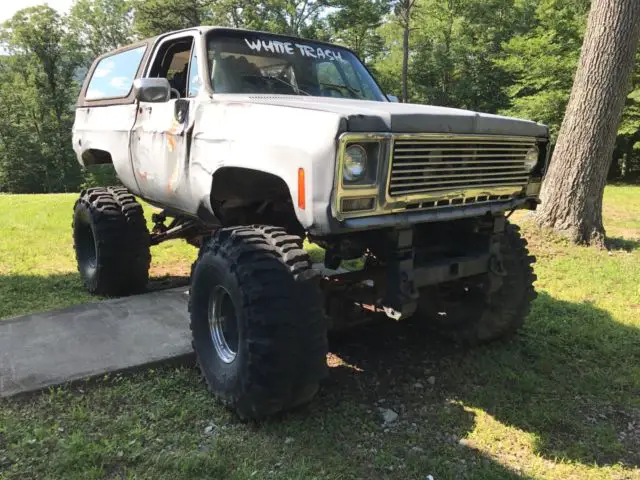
(223, 324)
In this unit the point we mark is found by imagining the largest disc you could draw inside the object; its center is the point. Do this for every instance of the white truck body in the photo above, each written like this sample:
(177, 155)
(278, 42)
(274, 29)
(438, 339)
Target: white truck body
(175, 164)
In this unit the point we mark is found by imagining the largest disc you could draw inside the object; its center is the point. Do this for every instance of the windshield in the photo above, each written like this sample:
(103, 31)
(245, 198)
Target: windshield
(260, 63)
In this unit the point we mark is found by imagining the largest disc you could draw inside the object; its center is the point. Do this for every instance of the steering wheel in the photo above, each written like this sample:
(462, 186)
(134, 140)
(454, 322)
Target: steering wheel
(174, 91)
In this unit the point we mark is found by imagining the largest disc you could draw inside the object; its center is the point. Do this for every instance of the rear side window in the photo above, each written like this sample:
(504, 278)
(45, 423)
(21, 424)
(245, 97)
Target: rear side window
(113, 76)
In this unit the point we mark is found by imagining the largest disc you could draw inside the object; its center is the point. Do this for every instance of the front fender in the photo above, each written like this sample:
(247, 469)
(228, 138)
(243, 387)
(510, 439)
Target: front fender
(273, 139)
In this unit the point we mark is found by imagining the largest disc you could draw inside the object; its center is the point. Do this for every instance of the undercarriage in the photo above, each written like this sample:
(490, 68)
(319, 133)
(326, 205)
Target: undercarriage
(398, 263)
(392, 266)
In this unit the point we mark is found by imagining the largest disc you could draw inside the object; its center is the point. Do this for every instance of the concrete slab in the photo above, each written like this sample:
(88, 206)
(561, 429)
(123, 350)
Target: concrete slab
(46, 349)
(51, 348)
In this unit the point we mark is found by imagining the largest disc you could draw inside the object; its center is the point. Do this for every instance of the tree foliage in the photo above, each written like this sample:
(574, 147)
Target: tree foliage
(516, 57)
(101, 25)
(543, 60)
(355, 24)
(36, 85)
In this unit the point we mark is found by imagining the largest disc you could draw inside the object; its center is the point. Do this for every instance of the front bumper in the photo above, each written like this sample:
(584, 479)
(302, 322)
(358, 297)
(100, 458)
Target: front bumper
(408, 218)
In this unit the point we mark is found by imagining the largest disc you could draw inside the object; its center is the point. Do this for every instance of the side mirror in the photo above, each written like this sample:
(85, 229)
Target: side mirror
(154, 90)
(393, 98)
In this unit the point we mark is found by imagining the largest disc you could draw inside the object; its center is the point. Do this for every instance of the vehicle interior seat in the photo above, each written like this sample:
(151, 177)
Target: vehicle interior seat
(179, 81)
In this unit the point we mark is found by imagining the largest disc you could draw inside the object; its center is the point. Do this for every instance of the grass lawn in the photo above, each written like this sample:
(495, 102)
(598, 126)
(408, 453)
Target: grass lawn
(561, 400)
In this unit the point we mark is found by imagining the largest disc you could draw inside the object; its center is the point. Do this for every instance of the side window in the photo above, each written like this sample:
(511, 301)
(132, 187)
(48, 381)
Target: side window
(195, 81)
(172, 63)
(113, 76)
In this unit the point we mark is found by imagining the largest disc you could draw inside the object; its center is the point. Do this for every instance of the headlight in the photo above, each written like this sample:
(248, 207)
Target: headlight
(531, 158)
(355, 163)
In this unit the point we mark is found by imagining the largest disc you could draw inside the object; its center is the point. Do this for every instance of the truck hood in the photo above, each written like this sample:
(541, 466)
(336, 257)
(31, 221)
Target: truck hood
(368, 116)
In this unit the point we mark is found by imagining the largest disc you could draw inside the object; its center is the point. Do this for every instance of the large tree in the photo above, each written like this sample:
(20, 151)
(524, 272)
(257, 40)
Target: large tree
(572, 193)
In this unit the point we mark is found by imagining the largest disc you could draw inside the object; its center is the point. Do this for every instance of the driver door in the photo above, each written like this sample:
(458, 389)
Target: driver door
(159, 140)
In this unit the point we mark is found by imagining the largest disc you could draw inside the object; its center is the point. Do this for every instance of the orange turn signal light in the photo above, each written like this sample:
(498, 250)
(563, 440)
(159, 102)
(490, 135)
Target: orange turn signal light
(302, 203)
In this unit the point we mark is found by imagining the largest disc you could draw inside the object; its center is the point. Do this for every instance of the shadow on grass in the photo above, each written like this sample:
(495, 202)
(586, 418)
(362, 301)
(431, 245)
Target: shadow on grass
(620, 243)
(22, 294)
(571, 378)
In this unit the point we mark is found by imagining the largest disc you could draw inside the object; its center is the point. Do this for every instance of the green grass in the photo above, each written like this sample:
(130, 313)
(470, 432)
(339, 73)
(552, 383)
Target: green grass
(621, 212)
(561, 400)
(37, 264)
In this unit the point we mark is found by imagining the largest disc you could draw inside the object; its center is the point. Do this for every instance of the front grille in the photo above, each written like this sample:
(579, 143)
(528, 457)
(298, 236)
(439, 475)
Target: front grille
(436, 167)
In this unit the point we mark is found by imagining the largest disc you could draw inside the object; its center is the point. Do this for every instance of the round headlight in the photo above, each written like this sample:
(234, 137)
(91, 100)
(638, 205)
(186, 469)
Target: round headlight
(355, 163)
(531, 158)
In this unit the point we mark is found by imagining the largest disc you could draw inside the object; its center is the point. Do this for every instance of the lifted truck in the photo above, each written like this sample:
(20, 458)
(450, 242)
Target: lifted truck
(251, 143)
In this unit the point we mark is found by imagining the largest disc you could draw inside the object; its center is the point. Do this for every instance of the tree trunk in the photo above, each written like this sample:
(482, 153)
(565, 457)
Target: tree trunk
(574, 186)
(405, 61)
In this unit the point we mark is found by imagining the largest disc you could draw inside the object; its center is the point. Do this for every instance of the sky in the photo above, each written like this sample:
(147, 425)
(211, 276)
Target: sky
(10, 7)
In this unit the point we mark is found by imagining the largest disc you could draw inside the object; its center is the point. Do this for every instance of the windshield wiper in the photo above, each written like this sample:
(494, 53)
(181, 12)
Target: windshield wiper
(353, 91)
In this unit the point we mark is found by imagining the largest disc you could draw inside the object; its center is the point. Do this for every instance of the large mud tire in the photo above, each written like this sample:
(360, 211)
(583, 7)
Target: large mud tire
(485, 308)
(111, 241)
(261, 279)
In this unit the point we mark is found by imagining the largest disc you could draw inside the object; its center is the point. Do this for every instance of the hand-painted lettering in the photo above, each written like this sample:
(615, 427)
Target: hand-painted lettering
(276, 46)
(279, 46)
(253, 45)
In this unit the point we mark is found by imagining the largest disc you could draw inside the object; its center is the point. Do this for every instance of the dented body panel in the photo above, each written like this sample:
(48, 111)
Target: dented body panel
(282, 140)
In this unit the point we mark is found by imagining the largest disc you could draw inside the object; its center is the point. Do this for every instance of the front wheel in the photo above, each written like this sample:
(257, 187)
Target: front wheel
(488, 307)
(259, 332)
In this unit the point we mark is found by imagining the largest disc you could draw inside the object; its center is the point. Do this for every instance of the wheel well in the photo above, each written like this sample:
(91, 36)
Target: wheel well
(242, 196)
(93, 156)
(245, 184)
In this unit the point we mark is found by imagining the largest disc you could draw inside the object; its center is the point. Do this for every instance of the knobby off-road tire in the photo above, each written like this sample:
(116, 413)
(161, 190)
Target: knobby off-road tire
(111, 241)
(488, 307)
(273, 353)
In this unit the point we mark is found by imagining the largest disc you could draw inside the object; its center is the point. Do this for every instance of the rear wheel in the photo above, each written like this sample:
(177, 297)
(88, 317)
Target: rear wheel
(259, 331)
(484, 308)
(111, 241)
